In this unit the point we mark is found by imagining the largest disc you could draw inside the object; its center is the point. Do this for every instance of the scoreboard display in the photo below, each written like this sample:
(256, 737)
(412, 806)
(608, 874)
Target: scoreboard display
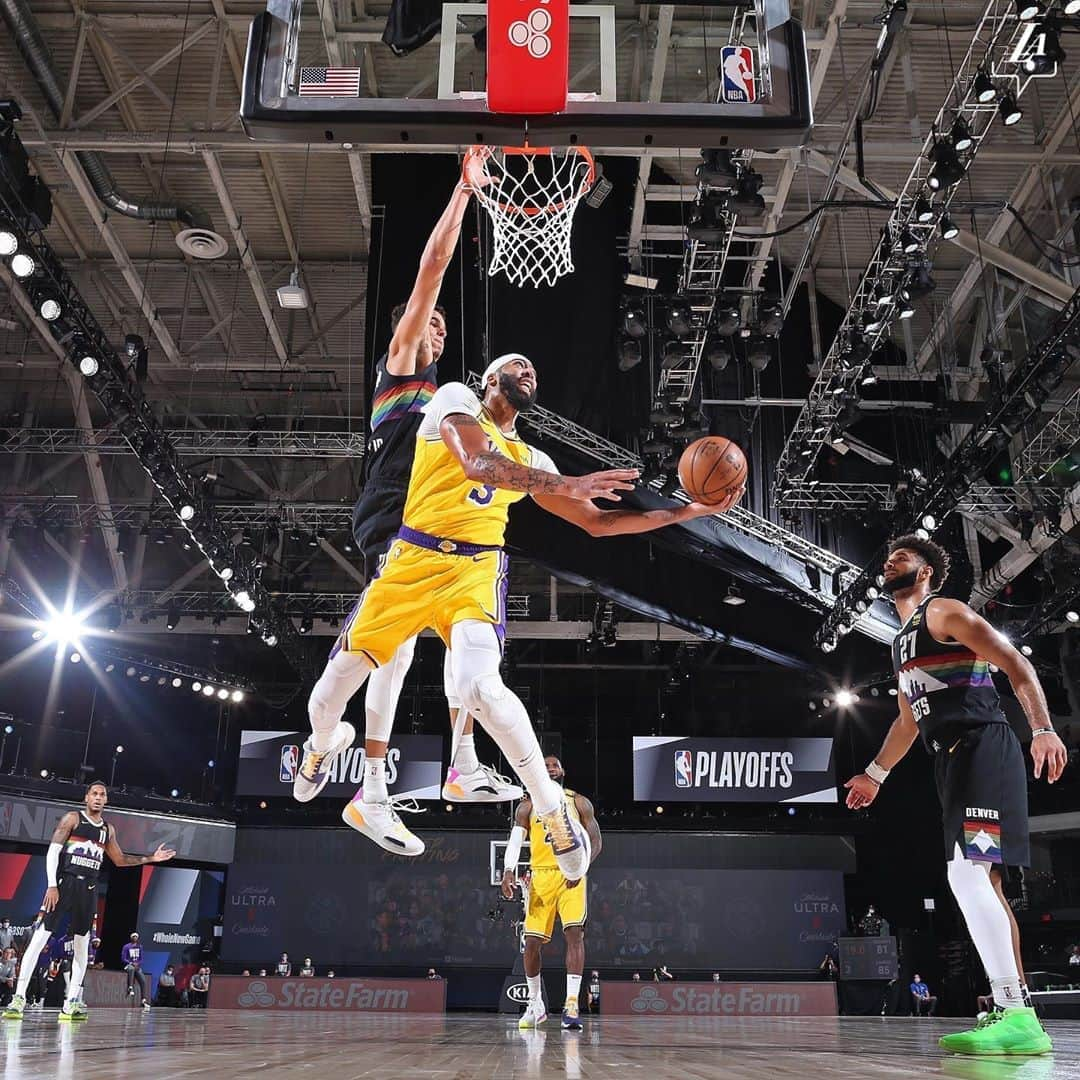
(868, 958)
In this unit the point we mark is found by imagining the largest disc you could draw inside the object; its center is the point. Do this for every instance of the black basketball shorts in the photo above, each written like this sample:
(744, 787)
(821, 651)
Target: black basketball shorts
(78, 899)
(982, 784)
(376, 520)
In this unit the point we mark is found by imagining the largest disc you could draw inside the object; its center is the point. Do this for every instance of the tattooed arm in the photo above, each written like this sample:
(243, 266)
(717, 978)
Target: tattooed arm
(465, 437)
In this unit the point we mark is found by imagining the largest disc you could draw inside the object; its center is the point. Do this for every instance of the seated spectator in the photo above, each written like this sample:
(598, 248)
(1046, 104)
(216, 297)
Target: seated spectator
(8, 970)
(716, 976)
(636, 977)
(433, 974)
(199, 988)
(7, 935)
(284, 966)
(262, 973)
(330, 973)
(592, 993)
(92, 960)
(245, 973)
(1074, 955)
(661, 974)
(308, 970)
(166, 991)
(131, 958)
(921, 997)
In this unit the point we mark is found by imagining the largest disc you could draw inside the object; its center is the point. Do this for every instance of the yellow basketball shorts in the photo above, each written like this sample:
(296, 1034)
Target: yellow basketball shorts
(548, 897)
(415, 588)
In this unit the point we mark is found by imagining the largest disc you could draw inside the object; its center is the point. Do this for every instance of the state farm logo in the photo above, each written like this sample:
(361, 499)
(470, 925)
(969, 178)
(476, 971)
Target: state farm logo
(518, 992)
(531, 33)
(649, 1000)
(257, 994)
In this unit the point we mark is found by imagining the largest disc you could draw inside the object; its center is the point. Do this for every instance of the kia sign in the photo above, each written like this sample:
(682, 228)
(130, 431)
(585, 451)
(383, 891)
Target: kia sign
(719, 999)
(674, 769)
(269, 760)
(328, 995)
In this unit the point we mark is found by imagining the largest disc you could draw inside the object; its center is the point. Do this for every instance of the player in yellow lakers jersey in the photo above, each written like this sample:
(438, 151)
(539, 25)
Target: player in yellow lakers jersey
(551, 894)
(447, 570)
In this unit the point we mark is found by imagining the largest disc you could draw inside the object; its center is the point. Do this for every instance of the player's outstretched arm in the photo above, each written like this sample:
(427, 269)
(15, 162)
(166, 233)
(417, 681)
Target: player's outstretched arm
(467, 441)
(597, 522)
(52, 858)
(401, 356)
(956, 620)
(112, 849)
(862, 789)
(588, 818)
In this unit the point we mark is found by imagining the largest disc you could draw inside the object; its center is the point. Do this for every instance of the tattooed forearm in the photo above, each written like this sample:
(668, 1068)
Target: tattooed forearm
(493, 468)
(621, 522)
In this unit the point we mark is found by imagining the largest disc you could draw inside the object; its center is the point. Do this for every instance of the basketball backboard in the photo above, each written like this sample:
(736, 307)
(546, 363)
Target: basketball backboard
(717, 76)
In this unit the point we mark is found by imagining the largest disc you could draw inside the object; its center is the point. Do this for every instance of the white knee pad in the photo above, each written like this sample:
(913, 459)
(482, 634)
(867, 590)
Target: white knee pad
(341, 678)
(384, 691)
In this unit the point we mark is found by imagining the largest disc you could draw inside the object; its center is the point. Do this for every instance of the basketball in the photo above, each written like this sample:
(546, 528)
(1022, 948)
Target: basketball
(712, 471)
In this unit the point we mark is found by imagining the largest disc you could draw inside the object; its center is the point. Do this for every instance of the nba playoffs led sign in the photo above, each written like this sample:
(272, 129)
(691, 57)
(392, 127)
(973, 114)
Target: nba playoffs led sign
(269, 760)
(674, 769)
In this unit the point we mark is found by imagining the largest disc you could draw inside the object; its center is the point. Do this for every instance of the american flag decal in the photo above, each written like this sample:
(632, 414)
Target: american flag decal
(329, 82)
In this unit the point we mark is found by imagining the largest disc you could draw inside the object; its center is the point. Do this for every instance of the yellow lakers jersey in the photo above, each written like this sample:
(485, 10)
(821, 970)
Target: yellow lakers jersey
(441, 499)
(541, 855)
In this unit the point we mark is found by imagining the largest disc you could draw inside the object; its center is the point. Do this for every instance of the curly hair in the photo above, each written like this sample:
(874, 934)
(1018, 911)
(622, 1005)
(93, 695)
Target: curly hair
(933, 554)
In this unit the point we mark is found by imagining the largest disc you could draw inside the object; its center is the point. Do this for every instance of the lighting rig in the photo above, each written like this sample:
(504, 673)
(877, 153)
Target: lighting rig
(115, 379)
(1018, 403)
(988, 84)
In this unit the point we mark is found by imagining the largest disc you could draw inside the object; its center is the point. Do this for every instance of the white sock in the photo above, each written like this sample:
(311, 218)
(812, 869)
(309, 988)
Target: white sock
(375, 780)
(466, 761)
(536, 987)
(573, 985)
(988, 926)
(28, 964)
(78, 966)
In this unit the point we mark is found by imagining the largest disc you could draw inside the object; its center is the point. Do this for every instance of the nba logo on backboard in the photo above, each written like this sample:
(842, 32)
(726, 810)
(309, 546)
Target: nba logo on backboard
(737, 72)
(290, 758)
(683, 770)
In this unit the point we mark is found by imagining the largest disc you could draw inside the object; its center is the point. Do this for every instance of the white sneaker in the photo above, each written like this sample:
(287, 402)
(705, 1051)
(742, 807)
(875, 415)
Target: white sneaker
(533, 1016)
(567, 842)
(146, 1005)
(379, 821)
(314, 769)
(483, 785)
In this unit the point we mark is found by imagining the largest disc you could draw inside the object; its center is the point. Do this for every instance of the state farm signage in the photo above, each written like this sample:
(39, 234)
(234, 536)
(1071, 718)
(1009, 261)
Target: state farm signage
(328, 995)
(719, 999)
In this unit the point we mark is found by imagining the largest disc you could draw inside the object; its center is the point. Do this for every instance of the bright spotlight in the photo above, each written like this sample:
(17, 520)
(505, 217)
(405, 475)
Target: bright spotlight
(22, 265)
(845, 698)
(63, 627)
(208, 690)
(8, 729)
(44, 774)
(174, 793)
(119, 749)
(76, 658)
(223, 694)
(177, 683)
(929, 522)
(1072, 616)
(210, 763)
(1026, 650)
(9, 242)
(38, 634)
(187, 512)
(89, 365)
(196, 686)
(238, 695)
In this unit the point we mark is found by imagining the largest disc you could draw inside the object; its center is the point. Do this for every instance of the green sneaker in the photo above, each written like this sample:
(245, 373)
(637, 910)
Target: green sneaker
(1003, 1031)
(15, 1008)
(80, 1011)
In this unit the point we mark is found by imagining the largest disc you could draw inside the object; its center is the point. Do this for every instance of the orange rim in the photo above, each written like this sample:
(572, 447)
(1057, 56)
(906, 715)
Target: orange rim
(532, 151)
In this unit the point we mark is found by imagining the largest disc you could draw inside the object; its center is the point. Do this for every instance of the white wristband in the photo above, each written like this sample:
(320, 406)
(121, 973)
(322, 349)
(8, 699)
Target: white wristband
(513, 849)
(876, 773)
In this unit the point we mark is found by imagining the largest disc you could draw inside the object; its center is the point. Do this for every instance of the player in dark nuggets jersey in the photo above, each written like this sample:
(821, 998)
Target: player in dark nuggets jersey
(942, 657)
(79, 844)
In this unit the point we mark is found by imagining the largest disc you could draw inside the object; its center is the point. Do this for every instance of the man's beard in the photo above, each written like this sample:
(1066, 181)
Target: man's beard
(901, 582)
(513, 393)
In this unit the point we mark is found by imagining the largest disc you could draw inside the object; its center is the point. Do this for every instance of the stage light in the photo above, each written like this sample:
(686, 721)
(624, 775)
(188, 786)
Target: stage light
(1049, 55)
(63, 626)
(872, 592)
(223, 694)
(238, 696)
(772, 316)
(828, 645)
(119, 749)
(306, 623)
(162, 680)
(947, 169)
(270, 638)
(983, 87)
(678, 318)
(758, 353)
(48, 304)
(791, 811)
(908, 242)
(187, 512)
(1072, 7)
(144, 678)
(38, 634)
(922, 533)
(922, 282)
(196, 686)
(262, 805)
(110, 668)
(89, 365)
(244, 601)
(177, 683)
(949, 230)
(1026, 650)
(659, 809)
(210, 763)
(208, 690)
(734, 598)
(1008, 109)
(44, 774)
(22, 265)
(929, 522)
(174, 793)
(1026, 10)
(172, 619)
(633, 321)
(226, 573)
(726, 317)
(9, 242)
(845, 698)
(75, 658)
(924, 212)
(1072, 616)
(629, 354)
(960, 135)
(8, 729)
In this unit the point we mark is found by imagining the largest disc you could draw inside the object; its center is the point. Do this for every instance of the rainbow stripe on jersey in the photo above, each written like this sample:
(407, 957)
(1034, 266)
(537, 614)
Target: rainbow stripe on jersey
(957, 668)
(400, 400)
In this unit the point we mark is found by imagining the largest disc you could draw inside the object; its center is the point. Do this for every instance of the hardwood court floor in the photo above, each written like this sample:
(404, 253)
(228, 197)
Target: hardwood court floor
(118, 1044)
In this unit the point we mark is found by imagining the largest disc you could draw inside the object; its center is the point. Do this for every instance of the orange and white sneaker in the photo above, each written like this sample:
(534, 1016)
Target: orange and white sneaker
(379, 821)
(571, 1016)
(568, 842)
(483, 785)
(314, 769)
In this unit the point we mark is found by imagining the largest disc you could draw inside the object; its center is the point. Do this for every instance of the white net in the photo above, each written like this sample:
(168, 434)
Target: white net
(531, 196)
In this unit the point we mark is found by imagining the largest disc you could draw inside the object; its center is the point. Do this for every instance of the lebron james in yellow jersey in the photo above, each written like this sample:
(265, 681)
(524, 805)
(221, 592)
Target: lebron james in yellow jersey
(447, 570)
(550, 894)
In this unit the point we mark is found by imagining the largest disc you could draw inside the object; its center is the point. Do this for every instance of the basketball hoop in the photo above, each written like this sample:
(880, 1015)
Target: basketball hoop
(531, 199)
